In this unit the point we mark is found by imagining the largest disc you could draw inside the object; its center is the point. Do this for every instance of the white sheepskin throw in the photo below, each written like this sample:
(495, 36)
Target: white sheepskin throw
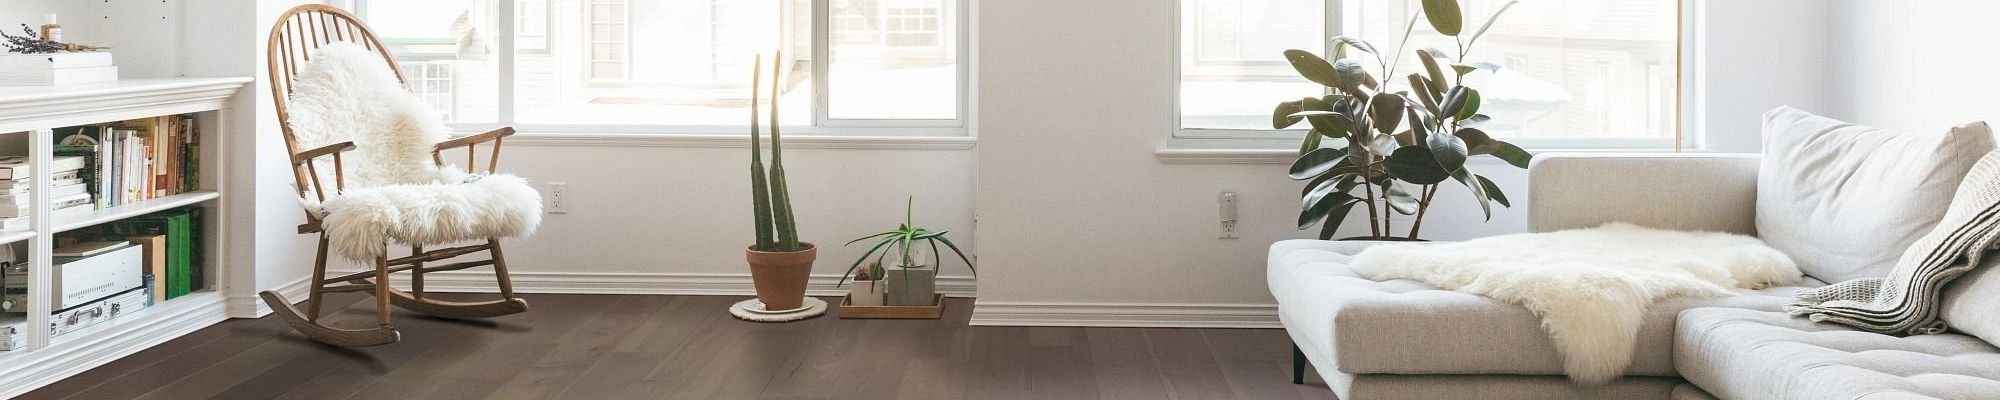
(1589, 286)
(394, 191)
(358, 222)
(347, 93)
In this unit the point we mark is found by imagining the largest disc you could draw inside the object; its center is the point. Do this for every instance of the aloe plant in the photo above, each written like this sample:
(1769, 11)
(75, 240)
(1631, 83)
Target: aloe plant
(776, 230)
(1394, 137)
(901, 241)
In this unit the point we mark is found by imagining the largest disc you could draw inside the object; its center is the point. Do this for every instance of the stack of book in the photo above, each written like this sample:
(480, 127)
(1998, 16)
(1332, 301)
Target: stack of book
(66, 189)
(135, 160)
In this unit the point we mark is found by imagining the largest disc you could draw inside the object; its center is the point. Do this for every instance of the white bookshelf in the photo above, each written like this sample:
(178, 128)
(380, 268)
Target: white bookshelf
(34, 113)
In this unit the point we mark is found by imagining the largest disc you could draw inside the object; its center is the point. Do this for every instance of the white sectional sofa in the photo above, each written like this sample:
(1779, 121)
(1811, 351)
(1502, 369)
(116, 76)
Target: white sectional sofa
(1408, 340)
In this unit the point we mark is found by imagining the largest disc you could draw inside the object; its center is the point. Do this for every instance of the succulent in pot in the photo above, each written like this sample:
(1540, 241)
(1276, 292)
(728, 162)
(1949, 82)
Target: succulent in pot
(911, 281)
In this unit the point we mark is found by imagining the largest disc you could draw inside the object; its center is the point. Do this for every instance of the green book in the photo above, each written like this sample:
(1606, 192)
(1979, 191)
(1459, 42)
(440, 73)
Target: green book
(183, 273)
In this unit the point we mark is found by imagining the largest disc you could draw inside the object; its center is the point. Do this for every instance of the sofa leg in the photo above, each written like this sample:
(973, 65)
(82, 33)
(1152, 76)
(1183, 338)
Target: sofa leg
(1298, 365)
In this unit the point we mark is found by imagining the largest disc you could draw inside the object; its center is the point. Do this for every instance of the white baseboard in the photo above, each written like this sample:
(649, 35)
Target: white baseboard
(253, 307)
(988, 313)
(640, 283)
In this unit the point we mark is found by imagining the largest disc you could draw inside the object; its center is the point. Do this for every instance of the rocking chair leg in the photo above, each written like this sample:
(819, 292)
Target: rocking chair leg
(500, 269)
(382, 289)
(417, 273)
(318, 281)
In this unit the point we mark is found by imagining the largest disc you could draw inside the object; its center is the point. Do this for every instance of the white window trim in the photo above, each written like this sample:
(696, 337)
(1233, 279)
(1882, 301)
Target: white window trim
(825, 131)
(1268, 146)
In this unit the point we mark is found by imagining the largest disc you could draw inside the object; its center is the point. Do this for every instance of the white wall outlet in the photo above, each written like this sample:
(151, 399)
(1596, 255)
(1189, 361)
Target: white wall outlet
(558, 198)
(1227, 204)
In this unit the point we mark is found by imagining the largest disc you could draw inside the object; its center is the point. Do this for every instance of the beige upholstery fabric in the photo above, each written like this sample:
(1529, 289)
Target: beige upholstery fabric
(1407, 327)
(1845, 200)
(1708, 192)
(1747, 354)
(1972, 303)
(1499, 387)
(1691, 392)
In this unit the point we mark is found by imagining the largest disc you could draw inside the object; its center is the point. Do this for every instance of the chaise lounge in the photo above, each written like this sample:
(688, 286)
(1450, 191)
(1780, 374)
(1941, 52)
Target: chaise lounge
(1402, 339)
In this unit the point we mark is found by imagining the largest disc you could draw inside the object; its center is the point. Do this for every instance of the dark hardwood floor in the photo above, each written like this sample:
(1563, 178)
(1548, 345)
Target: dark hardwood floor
(651, 347)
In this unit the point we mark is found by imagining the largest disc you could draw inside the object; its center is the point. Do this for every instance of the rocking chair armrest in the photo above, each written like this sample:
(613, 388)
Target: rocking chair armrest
(473, 139)
(310, 154)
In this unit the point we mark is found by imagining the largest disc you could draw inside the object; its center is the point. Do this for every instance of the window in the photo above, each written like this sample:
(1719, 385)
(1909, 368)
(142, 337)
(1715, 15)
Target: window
(872, 67)
(1576, 73)
(431, 81)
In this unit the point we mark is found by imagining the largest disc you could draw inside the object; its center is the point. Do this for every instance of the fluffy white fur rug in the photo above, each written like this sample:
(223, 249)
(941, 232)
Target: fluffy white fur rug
(394, 191)
(347, 93)
(1589, 286)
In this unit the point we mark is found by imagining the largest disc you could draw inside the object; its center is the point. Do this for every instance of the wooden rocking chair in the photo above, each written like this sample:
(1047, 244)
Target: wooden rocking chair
(297, 33)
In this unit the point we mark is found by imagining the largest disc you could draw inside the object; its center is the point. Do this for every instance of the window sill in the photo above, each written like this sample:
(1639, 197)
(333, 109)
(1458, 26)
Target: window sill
(742, 141)
(1185, 154)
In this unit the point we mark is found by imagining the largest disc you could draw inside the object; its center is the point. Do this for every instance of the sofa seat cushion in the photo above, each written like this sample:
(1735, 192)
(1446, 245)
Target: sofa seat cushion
(1749, 354)
(1408, 327)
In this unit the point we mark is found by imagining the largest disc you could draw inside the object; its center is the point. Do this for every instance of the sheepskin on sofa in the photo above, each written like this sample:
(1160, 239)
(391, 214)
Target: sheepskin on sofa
(1590, 286)
(394, 191)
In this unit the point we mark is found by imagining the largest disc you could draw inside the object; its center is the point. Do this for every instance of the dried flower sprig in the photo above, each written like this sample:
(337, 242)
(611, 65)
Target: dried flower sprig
(32, 43)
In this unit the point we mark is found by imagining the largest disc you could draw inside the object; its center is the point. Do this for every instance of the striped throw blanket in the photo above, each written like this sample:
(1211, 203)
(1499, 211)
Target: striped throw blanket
(1907, 301)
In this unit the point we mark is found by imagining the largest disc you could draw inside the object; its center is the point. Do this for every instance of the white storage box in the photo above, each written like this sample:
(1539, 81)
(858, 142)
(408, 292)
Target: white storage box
(56, 69)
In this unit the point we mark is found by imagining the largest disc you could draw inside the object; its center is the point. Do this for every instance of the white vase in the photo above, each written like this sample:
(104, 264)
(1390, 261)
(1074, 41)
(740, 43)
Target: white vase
(867, 293)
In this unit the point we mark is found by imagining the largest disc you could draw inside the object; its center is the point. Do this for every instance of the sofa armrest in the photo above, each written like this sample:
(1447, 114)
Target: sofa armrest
(1709, 192)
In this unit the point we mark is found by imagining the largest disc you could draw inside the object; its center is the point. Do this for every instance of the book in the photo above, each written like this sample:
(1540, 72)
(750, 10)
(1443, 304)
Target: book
(156, 262)
(16, 168)
(183, 271)
(86, 249)
(10, 210)
(21, 196)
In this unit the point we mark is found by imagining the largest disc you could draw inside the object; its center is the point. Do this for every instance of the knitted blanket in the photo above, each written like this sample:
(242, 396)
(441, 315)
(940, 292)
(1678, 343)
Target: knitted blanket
(1907, 302)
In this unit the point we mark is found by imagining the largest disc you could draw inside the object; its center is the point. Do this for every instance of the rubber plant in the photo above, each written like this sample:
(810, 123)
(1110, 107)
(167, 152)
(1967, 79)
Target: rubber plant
(1386, 148)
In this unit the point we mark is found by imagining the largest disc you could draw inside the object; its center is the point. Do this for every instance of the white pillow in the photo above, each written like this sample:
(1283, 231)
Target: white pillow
(1845, 200)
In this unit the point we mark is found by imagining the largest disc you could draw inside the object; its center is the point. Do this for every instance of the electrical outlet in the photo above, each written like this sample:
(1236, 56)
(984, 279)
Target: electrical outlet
(558, 198)
(1226, 202)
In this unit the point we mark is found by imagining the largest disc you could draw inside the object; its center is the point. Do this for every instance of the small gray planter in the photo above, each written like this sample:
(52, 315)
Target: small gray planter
(912, 287)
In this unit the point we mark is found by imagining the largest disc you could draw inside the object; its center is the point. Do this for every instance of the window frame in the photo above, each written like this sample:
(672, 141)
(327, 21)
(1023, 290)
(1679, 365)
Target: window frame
(1257, 142)
(956, 15)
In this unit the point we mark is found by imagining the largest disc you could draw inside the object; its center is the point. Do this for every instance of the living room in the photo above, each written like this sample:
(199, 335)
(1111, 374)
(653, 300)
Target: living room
(1045, 198)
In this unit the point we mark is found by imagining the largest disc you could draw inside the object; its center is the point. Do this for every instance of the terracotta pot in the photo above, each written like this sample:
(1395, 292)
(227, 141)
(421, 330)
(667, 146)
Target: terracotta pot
(780, 277)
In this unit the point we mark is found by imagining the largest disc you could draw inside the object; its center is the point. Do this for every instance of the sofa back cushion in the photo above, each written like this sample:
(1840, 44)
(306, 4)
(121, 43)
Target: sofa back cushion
(1846, 200)
(1972, 302)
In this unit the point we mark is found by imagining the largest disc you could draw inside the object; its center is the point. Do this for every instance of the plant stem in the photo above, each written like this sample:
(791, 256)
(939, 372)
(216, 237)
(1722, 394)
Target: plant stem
(1423, 207)
(1375, 227)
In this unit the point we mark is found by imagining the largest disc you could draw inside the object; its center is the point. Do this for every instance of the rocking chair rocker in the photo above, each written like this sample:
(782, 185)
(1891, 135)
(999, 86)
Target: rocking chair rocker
(293, 42)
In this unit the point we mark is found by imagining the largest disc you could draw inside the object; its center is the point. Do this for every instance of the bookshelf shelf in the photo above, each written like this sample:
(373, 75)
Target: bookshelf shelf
(16, 235)
(224, 292)
(71, 220)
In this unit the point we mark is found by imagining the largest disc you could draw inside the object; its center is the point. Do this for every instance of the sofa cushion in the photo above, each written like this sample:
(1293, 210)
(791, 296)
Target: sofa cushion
(1972, 302)
(1408, 327)
(1749, 354)
(1845, 200)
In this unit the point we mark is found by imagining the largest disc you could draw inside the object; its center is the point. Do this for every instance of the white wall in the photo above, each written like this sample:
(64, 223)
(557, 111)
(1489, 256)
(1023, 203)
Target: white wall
(1914, 65)
(1080, 223)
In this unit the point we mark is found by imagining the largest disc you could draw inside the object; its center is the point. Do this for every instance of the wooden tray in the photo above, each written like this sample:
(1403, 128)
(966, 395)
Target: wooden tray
(892, 312)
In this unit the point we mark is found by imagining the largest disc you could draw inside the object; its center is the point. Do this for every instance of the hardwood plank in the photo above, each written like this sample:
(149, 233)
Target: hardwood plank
(650, 347)
(1190, 370)
(1122, 362)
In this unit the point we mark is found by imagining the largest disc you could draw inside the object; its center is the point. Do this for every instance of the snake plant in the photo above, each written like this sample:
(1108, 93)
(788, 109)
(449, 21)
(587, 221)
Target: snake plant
(776, 230)
(901, 241)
